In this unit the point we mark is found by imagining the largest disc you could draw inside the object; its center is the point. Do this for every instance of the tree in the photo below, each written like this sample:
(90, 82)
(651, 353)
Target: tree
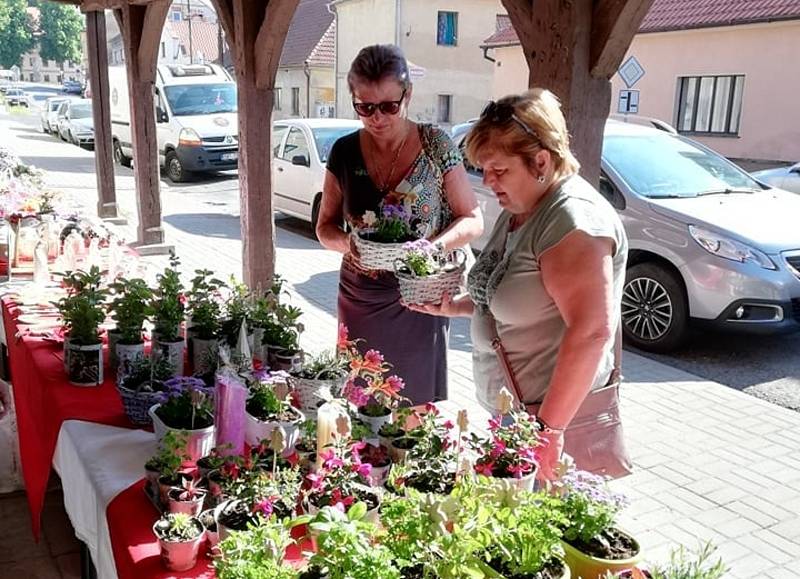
(61, 27)
(16, 32)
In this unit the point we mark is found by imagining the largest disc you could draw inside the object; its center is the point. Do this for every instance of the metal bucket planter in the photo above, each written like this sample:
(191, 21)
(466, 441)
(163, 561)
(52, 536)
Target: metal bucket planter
(203, 352)
(286, 360)
(200, 441)
(84, 364)
(172, 351)
(257, 430)
(128, 356)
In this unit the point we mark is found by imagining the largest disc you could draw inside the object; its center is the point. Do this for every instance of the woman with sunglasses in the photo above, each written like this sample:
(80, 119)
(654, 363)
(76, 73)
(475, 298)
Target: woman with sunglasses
(549, 281)
(393, 160)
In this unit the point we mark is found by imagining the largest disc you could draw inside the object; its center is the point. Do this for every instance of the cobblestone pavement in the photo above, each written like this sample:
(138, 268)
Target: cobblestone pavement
(711, 462)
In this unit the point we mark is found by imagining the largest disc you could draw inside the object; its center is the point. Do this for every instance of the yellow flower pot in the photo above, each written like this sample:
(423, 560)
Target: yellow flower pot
(585, 566)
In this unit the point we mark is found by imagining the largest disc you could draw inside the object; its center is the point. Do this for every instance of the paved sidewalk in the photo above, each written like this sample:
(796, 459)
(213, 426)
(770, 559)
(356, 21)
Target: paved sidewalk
(711, 462)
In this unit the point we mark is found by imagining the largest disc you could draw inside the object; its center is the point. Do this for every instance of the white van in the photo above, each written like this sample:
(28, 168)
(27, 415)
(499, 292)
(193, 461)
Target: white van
(196, 121)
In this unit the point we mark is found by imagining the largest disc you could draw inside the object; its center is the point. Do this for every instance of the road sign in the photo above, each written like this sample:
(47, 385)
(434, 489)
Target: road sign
(628, 101)
(631, 71)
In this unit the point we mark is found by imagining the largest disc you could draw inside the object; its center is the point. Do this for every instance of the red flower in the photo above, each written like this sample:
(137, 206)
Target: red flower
(485, 468)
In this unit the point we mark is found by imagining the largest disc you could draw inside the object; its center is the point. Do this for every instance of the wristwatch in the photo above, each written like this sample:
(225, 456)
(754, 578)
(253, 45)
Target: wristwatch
(544, 428)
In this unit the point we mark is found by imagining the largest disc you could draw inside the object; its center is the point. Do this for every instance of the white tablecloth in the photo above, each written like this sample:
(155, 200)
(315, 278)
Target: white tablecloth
(96, 463)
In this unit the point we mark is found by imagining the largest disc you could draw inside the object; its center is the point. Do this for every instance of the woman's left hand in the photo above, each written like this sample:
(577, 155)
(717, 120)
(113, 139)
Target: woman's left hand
(550, 455)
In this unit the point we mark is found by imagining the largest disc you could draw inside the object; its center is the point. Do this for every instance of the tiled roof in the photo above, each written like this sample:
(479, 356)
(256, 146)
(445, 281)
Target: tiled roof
(311, 27)
(205, 37)
(667, 15)
(324, 53)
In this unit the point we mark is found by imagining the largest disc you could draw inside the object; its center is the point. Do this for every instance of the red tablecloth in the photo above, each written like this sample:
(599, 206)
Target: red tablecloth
(44, 399)
(130, 518)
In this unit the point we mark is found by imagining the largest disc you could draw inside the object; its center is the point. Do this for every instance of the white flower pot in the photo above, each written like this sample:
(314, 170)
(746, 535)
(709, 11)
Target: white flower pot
(378, 475)
(112, 337)
(84, 364)
(172, 351)
(200, 441)
(202, 351)
(375, 422)
(179, 555)
(127, 357)
(257, 430)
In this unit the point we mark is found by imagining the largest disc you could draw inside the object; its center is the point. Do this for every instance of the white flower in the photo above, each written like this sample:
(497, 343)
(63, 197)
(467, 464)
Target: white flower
(369, 218)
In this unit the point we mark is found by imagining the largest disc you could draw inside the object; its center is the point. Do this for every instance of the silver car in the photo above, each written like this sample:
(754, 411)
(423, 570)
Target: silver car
(49, 114)
(709, 245)
(787, 178)
(75, 122)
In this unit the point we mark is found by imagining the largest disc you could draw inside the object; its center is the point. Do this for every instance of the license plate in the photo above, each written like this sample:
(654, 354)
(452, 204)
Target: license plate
(229, 156)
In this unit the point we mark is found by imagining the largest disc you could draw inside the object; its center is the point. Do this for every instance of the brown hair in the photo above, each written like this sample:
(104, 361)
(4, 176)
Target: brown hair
(536, 123)
(377, 62)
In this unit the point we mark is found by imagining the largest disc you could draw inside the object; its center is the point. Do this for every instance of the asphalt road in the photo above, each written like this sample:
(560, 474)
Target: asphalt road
(765, 366)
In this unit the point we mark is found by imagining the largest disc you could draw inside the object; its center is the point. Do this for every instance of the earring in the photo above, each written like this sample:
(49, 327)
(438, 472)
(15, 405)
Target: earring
(540, 178)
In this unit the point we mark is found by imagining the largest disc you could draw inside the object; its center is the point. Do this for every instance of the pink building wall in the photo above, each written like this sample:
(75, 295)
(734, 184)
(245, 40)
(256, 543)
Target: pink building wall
(768, 55)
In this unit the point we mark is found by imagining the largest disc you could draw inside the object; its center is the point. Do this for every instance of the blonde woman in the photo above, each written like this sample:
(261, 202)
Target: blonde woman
(549, 281)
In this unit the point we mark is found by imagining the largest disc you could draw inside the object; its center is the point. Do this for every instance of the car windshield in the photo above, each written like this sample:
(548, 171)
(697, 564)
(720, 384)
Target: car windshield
(201, 99)
(658, 165)
(80, 111)
(326, 137)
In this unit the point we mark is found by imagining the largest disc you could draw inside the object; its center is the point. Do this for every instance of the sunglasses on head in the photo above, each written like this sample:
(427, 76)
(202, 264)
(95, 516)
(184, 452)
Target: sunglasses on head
(386, 107)
(501, 113)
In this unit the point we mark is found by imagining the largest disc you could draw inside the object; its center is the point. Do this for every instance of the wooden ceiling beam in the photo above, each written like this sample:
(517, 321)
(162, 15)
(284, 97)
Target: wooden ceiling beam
(269, 42)
(614, 24)
(224, 10)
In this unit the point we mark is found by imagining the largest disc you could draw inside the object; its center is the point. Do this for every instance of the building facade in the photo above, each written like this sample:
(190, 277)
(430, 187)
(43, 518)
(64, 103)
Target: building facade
(451, 78)
(721, 75)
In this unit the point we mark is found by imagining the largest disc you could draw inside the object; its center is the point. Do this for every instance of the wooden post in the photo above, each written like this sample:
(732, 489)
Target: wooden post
(259, 29)
(573, 48)
(101, 113)
(141, 27)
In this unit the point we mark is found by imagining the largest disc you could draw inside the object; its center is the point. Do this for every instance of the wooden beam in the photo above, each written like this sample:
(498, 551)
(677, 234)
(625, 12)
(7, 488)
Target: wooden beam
(520, 12)
(614, 24)
(101, 113)
(225, 16)
(154, 18)
(270, 40)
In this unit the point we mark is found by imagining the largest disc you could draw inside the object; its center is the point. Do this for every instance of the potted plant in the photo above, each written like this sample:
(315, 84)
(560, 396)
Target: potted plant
(238, 309)
(380, 237)
(269, 408)
(205, 308)
(129, 309)
(140, 389)
(162, 469)
(187, 498)
(391, 431)
(306, 446)
(167, 308)
(82, 313)
(212, 535)
(317, 380)
(425, 273)
(346, 547)
(342, 480)
(378, 458)
(281, 329)
(509, 453)
(257, 552)
(179, 536)
(593, 544)
(213, 460)
(186, 405)
(681, 566)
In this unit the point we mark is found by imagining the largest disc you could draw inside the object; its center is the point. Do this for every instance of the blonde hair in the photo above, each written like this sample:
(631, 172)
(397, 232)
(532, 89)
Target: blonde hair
(536, 122)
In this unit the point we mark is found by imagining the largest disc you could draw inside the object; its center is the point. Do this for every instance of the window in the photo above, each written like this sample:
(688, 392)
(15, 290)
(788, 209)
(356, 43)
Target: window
(447, 29)
(296, 145)
(47, 78)
(445, 106)
(277, 138)
(176, 15)
(296, 101)
(276, 101)
(710, 104)
(163, 50)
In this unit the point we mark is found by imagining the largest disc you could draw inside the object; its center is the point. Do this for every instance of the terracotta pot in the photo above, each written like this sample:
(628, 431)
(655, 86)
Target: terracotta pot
(85, 364)
(257, 430)
(127, 356)
(180, 555)
(200, 441)
(588, 567)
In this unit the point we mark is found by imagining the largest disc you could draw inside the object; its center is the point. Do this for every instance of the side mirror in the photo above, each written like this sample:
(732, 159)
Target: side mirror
(612, 194)
(161, 115)
(795, 168)
(301, 160)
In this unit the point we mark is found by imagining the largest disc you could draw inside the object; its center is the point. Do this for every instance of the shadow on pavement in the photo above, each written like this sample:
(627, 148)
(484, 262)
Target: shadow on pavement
(310, 290)
(61, 164)
(207, 224)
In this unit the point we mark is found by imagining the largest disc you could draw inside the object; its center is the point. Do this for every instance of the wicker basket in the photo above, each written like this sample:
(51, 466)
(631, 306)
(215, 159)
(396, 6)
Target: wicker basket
(429, 289)
(374, 255)
(313, 392)
(136, 404)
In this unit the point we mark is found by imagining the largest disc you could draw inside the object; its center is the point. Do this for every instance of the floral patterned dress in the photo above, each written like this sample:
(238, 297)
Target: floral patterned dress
(369, 301)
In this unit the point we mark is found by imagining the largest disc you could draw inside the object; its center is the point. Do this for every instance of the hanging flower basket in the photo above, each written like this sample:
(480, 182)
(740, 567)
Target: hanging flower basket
(421, 289)
(375, 255)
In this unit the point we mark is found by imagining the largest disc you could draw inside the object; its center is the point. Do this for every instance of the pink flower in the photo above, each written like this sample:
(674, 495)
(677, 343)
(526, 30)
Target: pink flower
(430, 408)
(355, 394)
(316, 480)
(519, 470)
(448, 424)
(498, 448)
(495, 423)
(485, 468)
(363, 469)
(330, 460)
(265, 506)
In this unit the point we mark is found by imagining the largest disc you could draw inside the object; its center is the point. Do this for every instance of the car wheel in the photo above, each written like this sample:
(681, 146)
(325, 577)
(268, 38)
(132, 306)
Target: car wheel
(175, 170)
(119, 156)
(655, 314)
(315, 213)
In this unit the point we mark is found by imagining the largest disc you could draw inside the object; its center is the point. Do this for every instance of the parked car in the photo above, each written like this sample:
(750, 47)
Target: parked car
(16, 97)
(300, 149)
(49, 114)
(787, 178)
(709, 245)
(72, 87)
(75, 122)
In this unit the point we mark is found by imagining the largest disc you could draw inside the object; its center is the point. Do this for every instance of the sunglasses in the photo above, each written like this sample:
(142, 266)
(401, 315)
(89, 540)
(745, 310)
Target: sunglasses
(502, 113)
(386, 107)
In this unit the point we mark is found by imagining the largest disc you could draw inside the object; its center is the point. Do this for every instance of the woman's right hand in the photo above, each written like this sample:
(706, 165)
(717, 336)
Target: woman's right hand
(352, 244)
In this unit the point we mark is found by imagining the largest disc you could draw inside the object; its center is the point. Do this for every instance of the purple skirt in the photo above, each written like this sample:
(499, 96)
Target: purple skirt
(414, 344)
